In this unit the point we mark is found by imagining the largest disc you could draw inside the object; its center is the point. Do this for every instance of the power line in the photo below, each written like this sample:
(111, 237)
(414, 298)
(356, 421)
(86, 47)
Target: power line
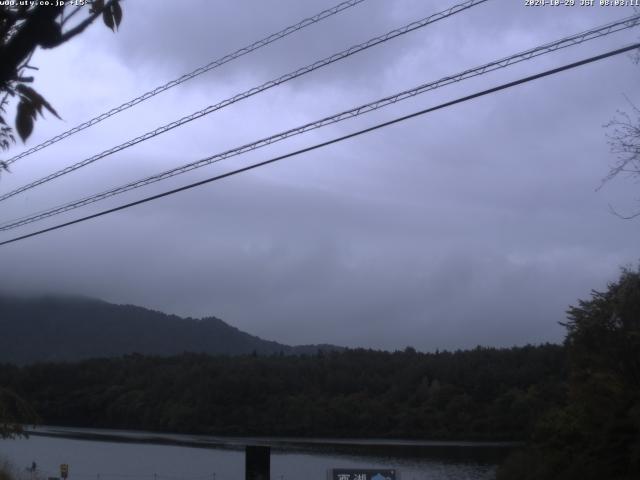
(253, 91)
(188, 76)
(354, 112)
(332, 141)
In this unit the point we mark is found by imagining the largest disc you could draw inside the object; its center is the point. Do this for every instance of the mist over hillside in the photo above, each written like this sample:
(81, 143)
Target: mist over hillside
(63, 328)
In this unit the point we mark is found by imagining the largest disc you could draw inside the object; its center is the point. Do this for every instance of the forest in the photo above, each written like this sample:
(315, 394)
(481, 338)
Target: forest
(484, 393)
(576, 406)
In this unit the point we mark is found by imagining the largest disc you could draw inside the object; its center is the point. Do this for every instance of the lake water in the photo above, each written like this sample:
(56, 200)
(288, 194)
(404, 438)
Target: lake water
(117, 455)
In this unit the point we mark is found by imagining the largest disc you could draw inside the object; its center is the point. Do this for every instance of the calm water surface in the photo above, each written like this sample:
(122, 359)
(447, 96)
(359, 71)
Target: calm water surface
(99, 456)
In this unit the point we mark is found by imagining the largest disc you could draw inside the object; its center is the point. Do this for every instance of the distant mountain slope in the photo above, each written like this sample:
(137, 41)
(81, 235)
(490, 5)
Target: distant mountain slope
(69, 328)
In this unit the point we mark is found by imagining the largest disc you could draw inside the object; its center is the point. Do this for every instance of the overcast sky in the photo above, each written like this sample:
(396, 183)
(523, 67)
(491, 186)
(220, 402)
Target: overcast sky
(478, 224)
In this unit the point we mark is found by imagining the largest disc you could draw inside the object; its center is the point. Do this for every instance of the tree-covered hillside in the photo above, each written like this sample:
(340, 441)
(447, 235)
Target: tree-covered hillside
(74, 328)
(480, 393)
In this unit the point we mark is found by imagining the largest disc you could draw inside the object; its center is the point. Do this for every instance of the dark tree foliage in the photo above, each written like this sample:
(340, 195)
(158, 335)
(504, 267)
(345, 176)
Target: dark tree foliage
(26, 26)
(597, 434)
(483, 393)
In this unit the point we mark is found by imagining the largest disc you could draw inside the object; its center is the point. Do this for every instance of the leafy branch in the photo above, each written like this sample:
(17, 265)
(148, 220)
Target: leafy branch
(24, 28)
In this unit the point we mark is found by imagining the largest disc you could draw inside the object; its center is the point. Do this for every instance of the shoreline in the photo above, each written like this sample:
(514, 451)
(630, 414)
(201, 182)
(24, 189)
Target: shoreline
(277, 443)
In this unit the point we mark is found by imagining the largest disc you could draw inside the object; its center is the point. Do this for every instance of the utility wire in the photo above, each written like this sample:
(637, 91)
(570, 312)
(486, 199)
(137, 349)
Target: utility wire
(332, 141)
(354, 112)
(253, 91)
(188, 76)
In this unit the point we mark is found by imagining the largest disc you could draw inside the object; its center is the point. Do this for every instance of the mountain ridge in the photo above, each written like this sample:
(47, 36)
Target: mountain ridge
(53, 328)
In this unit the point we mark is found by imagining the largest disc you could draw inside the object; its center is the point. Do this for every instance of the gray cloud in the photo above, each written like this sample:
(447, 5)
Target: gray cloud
(478, 224)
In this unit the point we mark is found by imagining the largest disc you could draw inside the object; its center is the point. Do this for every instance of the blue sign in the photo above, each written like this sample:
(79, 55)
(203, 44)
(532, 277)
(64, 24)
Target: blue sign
(362, 474)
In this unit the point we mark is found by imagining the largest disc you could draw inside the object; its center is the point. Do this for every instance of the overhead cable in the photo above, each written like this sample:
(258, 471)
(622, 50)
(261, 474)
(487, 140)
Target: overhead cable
(330, 142)
(353, 112)
(193, 74)
(253, 91)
